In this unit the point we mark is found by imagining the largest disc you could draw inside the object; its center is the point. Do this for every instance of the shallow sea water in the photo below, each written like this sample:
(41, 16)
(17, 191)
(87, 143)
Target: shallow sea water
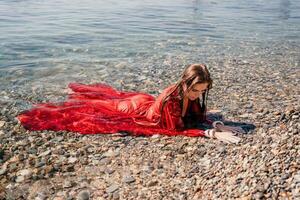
(139, 45)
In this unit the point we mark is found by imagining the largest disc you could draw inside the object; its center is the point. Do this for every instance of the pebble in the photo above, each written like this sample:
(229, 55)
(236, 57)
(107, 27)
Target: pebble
(83, 195)
(72, 160)
(104, 161)
(67, 184)
(116, 195)
(41, 196)
(45, 153)
(23, 175)
(258, 195)
(20, 179)
(246, 115)
(111, 153)
(128, 179)
(40, 164)
(2, 123)
(3, 170)
(152, 183)
(112, 188)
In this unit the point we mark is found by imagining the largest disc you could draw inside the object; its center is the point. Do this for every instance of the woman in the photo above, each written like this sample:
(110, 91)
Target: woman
(99, 108)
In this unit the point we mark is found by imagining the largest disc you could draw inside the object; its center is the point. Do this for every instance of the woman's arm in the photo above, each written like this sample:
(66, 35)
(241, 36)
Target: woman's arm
(219, 125)
(172, 125)
(171, 120)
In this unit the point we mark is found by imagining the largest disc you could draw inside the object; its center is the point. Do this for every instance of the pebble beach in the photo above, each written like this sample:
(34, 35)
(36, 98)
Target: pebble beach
(256, 86)
(264, 165)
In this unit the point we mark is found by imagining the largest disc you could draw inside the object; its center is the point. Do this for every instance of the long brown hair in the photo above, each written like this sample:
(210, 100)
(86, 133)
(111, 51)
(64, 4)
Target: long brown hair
(192, 74)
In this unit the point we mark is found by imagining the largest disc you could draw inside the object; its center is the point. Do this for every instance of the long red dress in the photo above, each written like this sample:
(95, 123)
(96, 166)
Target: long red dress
(100, 109)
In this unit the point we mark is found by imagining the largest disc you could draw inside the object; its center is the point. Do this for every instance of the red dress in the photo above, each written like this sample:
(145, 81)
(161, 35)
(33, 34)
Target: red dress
(99, 108)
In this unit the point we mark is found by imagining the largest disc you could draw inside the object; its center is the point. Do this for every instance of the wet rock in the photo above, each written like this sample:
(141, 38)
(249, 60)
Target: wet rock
(128, 179)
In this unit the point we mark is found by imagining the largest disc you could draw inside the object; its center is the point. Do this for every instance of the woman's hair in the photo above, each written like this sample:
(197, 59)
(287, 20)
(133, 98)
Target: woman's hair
(192, 74)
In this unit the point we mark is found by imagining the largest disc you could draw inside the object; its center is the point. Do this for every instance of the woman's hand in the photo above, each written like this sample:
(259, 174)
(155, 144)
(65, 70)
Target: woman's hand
(227, 136)
(218, 125)
(233, 129)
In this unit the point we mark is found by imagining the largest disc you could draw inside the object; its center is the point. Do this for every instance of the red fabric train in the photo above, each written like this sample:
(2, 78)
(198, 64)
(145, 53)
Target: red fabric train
(100, 109)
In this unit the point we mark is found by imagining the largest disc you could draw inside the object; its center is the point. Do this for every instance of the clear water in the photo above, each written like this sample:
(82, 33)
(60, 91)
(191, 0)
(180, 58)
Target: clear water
(80, 40)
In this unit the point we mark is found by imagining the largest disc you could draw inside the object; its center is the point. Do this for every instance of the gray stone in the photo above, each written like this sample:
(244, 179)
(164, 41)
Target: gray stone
(128, 179)
(112, 188)
(83, 195)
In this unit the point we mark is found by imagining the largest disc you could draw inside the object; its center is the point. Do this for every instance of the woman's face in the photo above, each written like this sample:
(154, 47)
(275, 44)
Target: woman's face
(196, 91)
